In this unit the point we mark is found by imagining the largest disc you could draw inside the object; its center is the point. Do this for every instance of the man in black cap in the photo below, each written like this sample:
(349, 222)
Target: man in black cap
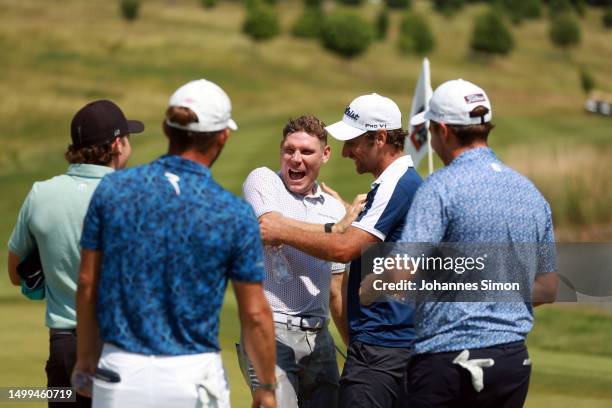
(51, 220)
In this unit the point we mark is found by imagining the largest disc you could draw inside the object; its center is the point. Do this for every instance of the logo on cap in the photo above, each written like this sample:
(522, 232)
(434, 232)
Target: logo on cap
(117, 132)
(348, 112)
(474, 98)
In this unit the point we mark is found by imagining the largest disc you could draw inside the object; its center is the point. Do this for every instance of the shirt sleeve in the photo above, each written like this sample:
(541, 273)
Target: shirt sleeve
(375, 207)
(338, 212)
(547, 253)
(426, 220)
(247, 263)
(338, 268)
(260, 190)
(93, 225)
(22, 241)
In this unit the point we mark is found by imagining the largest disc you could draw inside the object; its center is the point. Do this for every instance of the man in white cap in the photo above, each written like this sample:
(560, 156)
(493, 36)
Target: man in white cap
(472, 354)
(380, 334)
(160, 243)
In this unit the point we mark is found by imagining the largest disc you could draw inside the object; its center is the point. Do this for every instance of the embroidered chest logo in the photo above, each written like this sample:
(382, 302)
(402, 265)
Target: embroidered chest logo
(174, 180)
(348, 112)
(496, 167)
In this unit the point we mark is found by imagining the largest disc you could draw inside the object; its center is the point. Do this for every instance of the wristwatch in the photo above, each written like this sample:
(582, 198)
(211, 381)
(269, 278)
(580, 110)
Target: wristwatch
(328, 227)
(268, 387)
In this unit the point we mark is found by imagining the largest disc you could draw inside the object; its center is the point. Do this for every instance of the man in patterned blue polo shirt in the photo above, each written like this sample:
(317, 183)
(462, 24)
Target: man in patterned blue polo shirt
(159, 244)
(473, 354)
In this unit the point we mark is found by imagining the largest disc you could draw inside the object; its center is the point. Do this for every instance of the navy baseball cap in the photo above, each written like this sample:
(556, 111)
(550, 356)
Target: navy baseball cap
(101, 122)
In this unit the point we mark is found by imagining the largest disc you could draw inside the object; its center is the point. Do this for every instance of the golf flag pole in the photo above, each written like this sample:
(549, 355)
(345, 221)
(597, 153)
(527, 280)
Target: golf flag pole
(418, 143)
(429, 152)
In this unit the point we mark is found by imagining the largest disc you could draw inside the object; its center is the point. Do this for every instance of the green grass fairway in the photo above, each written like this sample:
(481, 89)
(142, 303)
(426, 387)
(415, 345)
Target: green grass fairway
(59, 55)
(560, 378)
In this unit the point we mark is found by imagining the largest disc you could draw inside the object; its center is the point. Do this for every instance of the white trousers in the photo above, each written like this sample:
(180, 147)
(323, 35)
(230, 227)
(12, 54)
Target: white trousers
(194, 381)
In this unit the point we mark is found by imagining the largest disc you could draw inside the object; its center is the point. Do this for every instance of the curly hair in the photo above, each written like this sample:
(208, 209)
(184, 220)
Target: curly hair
(309, 124)
(100, 154)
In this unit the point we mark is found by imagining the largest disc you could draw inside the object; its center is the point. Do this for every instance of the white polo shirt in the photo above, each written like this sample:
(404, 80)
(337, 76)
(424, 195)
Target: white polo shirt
(307, 292)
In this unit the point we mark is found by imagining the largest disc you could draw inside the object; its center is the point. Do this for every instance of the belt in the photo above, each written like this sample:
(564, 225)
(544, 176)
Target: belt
(303, 322)
(53, 331)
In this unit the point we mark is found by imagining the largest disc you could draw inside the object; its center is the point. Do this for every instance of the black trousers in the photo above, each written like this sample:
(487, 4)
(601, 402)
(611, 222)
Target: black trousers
(433, 381)
(372, 376)
(62, 357)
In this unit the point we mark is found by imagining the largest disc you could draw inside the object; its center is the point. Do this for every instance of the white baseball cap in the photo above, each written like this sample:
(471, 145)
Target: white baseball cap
(366, 113)
(452, 102)
(208, 101)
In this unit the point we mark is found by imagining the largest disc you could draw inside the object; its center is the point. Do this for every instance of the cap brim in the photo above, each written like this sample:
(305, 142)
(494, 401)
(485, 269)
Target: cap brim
(232, 125)
(342, 131)
(135, 126)
(418, 119)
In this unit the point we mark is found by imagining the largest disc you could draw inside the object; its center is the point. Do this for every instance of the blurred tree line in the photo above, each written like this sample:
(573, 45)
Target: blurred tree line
(341, 28)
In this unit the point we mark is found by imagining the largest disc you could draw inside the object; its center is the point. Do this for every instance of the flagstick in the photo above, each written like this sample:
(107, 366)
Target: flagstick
(428, 91)
(429, 153)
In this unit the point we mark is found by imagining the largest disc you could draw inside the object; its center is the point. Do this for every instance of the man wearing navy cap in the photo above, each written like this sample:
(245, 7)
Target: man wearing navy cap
(51, 220)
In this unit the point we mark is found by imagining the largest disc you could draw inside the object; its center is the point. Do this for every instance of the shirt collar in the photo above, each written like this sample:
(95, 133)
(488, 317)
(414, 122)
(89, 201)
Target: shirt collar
(476, 153)
(316, 196)
(177, 162)
(88, 170)
(404, 160)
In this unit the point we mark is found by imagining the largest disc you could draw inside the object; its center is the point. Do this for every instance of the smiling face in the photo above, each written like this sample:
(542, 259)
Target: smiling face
(362, 151)
(301, 158)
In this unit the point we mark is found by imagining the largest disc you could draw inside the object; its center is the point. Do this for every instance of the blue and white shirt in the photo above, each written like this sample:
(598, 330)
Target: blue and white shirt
(390, 323)
(477, 199)
(170, 237)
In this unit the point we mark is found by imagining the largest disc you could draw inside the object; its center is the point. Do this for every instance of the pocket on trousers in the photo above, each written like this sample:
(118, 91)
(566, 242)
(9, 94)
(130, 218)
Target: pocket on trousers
(212, 387)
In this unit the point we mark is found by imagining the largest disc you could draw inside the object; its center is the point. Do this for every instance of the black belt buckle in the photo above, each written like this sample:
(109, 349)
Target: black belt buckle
(308, 326)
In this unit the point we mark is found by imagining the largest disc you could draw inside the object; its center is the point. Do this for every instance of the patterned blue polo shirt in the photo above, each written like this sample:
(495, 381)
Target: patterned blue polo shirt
(171, 237)
(477, 199)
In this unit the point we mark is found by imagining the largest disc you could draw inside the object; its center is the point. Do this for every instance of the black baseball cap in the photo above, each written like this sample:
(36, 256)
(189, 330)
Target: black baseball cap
(100, 122)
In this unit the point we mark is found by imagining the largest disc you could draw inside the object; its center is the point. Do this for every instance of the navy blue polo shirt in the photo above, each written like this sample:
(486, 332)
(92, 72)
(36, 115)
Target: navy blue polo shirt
(387, 324)
(170, 237)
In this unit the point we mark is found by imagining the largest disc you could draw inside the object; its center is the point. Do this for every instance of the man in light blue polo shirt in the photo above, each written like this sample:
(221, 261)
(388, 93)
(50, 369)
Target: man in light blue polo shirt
(51, 220)
(473, 353)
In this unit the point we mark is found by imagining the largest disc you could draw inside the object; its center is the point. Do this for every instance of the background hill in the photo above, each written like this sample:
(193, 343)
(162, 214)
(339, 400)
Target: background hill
(58, 55)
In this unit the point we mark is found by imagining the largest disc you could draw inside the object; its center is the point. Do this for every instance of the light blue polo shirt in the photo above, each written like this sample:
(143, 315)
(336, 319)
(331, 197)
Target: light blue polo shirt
(52, 219)
(477, 199)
